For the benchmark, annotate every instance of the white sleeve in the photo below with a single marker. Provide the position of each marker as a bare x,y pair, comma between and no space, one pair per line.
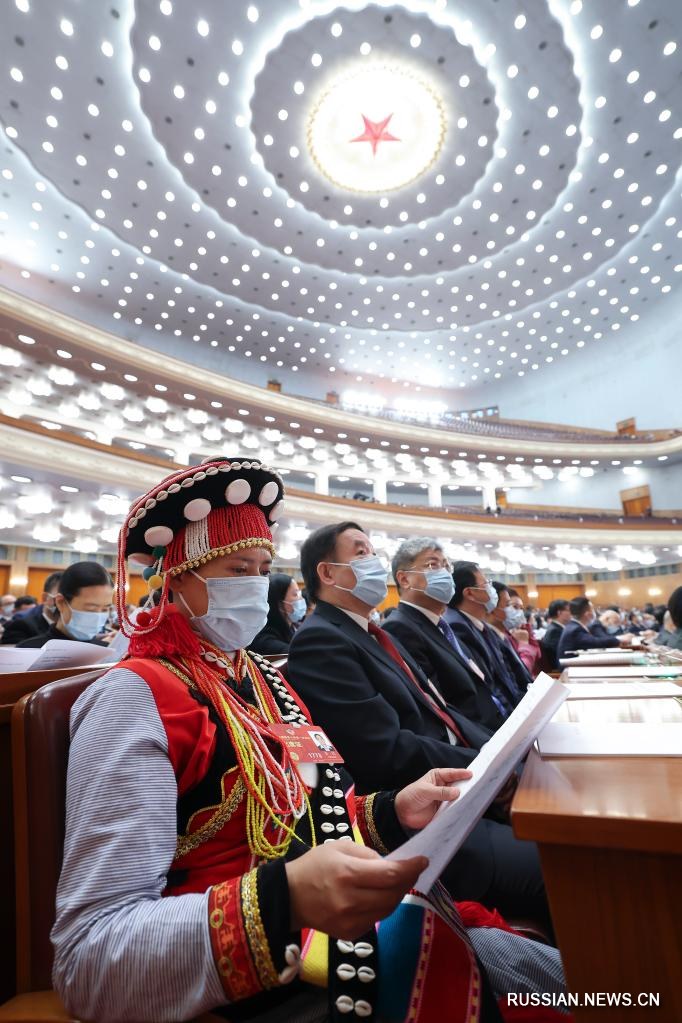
122,952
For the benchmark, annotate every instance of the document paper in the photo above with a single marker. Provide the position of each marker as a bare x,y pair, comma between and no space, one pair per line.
441,839
56,653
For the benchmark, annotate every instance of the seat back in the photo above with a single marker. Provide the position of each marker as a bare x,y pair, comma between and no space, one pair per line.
40,749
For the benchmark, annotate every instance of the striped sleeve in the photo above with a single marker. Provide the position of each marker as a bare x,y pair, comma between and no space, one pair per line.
122,952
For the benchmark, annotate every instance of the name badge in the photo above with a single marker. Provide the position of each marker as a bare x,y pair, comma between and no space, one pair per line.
307,744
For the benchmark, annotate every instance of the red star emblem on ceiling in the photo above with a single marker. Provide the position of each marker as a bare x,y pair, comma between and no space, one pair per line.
375,132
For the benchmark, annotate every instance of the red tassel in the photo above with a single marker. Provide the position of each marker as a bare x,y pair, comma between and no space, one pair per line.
172,636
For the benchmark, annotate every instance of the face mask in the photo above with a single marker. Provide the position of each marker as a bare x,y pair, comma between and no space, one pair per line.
591,620
7,610
370,587
237,610
491,602
298,610
50,610
514,618
85,625
440,585
612,629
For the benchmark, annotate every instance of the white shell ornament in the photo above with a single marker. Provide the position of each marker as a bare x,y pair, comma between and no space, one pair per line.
276,511
141,559
197,509
158,536
238,491
268,493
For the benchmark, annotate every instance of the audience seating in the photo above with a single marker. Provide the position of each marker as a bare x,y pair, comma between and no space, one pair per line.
40,746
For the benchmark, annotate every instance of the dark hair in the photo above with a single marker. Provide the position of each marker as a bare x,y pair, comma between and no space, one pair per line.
463,574
320,546
579,606
277,591
84,573
502,588
556,607
675,607
52,582
511,592
24,602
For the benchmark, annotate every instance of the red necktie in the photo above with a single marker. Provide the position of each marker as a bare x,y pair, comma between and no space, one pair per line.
385,641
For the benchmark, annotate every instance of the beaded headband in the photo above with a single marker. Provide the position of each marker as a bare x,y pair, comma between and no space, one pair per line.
232,506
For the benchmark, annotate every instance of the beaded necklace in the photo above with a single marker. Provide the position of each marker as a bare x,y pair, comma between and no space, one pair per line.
275,792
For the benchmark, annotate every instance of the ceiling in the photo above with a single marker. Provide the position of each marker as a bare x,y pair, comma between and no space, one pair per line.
167,174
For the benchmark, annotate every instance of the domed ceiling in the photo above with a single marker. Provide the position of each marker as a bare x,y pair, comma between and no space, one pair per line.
430,194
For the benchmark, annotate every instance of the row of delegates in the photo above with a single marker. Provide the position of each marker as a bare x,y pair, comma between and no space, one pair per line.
385,715
35,620
11,606
286,610
577,635
82,606
493,652
181,784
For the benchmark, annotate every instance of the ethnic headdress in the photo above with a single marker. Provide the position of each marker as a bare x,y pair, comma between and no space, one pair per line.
191,517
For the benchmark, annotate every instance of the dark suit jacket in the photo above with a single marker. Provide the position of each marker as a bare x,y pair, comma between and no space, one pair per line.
598,630
25,626
271,641
54,633
489,656
576,637
379,720
450,673
549,644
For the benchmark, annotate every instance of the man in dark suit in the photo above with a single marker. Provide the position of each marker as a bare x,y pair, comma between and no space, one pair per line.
558,615
377,707
577,635
474,598
423,576
39,620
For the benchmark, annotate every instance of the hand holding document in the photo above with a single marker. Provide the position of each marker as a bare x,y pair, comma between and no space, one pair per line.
441,839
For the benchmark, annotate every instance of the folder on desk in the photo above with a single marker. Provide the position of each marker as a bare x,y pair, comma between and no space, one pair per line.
562,739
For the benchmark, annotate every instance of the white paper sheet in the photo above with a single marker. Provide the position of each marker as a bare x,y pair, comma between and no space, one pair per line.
595,658
622,690
579,674
118,647
560,739
14,658
441,839
68,653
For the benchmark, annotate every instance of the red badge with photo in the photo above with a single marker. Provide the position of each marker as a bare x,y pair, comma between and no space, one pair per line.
307,744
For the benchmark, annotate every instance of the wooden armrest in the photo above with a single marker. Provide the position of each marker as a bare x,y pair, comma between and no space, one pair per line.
46,1007
36,1007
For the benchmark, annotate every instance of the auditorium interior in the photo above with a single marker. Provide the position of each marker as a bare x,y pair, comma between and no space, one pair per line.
345,333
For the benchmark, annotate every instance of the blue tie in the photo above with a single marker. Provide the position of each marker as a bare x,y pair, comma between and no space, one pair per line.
456,646
451,638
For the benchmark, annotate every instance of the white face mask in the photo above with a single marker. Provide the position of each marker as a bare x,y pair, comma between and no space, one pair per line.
237,610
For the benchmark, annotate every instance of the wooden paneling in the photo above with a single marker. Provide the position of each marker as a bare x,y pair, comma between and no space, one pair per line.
36,580
4,581
557,591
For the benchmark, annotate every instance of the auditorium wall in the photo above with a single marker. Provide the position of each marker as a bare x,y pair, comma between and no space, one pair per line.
603,489
629,372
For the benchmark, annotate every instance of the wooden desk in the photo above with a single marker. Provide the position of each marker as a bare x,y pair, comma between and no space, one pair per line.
609,830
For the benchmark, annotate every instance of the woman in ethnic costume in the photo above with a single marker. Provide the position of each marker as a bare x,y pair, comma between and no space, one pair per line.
203,867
